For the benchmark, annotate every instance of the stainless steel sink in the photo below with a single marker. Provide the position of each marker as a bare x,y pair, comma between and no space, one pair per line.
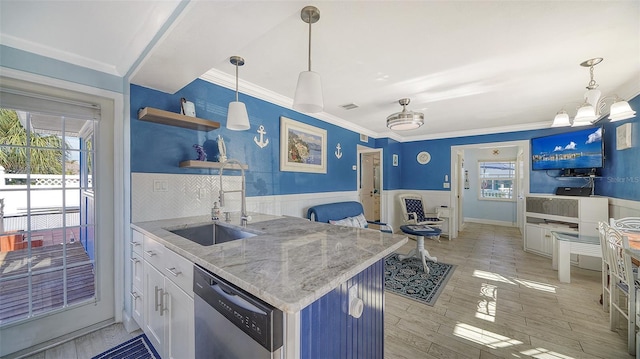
211,234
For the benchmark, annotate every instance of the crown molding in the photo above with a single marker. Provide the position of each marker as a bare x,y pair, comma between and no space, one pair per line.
59,55
480,131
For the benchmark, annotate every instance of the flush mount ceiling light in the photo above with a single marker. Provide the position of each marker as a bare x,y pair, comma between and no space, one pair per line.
590,111
308,97
405,120
237,117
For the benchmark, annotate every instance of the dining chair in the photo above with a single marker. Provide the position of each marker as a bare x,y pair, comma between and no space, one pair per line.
622,282
606,263
627,224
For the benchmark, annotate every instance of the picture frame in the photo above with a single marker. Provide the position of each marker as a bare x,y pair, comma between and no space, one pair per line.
395,160
303,148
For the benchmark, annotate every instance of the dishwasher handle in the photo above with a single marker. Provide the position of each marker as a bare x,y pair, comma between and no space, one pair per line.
237,300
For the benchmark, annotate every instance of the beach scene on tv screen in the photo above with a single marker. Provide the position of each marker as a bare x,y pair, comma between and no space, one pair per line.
579,149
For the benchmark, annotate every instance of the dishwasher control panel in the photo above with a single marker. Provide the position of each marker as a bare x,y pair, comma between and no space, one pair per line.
253,316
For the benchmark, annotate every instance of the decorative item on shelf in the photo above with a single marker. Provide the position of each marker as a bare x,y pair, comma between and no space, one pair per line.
308,96
405,120
591,110
202,155
423,157
395,160
338,151
187,108
263,141
237,117
222,150
466,179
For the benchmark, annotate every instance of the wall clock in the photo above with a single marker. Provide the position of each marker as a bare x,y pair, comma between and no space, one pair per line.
423,157
623,136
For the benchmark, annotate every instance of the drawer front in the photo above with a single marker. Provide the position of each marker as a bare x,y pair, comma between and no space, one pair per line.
173,266
137,240
137,303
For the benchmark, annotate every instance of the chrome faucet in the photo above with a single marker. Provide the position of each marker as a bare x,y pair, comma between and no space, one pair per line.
244,218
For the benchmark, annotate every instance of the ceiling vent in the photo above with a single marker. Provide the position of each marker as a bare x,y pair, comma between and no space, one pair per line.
349,106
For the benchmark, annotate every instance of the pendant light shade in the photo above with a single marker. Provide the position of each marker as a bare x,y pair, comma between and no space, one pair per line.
405,120
620,110
308,96
237,116
586,116
561,119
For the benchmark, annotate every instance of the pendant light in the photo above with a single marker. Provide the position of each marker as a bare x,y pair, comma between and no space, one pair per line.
591,110
405,119
237,117
308,97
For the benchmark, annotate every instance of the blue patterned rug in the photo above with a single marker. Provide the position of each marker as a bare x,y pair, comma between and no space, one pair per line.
408,279
136,348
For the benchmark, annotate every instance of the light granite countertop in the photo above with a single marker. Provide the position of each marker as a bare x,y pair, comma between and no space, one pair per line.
291,262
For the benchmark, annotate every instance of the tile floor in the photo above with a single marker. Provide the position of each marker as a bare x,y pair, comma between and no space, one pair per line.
500,303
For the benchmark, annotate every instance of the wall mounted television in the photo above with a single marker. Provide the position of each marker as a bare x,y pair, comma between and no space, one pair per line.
576,150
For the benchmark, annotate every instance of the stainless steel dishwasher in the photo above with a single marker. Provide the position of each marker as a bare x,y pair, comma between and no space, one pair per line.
231,323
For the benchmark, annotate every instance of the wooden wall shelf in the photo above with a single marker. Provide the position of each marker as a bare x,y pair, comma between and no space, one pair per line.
207,164
175,119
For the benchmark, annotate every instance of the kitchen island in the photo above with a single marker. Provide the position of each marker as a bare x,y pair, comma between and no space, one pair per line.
304,269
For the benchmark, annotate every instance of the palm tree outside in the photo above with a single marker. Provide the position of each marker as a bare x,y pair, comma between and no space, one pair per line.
47,152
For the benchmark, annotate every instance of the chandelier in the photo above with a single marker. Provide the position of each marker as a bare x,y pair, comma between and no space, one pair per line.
591,110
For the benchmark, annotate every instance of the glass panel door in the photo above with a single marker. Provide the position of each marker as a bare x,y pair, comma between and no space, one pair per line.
47,251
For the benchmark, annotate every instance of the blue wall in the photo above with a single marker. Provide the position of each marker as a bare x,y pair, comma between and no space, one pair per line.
159,148
620,178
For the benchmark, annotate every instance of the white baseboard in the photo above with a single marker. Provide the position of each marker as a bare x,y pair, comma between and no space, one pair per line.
130,325
489,221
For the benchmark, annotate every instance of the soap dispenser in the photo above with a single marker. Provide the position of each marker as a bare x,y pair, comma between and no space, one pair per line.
215,212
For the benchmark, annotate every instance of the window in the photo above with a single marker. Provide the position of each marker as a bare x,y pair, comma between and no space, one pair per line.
496,180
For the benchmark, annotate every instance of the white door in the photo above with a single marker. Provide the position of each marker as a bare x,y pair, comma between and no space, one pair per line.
61,214
462,182
366,186
520,173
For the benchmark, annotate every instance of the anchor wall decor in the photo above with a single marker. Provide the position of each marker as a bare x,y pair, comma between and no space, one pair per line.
338,151
263,141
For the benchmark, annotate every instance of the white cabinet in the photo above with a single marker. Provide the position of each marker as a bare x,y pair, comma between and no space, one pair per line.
538,240
547,213
162,297
137,278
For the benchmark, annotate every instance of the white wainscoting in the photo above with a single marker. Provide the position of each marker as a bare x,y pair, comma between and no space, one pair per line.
620,208
392,212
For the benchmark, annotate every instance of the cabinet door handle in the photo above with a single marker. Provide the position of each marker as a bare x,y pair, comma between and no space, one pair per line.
134,295
150,253
156,301
173,271
134,243
163,306
134,260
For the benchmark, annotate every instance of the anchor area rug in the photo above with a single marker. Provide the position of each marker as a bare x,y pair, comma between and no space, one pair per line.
408,279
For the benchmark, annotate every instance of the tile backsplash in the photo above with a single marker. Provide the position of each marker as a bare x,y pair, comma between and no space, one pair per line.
157,196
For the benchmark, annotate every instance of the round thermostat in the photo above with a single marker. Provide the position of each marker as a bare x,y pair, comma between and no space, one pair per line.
424,157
